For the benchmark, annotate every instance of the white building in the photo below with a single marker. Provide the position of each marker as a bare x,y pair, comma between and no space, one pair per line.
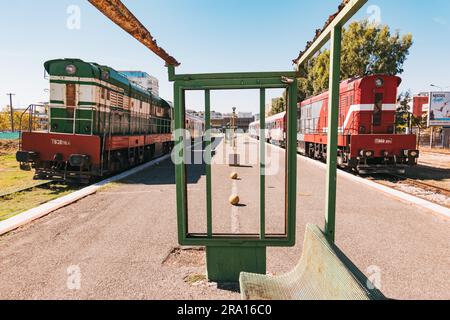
144,80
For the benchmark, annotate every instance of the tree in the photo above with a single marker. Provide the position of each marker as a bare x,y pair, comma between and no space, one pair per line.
405,118
366,49
5,121
278,106
403,115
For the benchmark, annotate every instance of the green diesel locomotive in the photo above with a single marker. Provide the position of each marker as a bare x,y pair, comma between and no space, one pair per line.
99,123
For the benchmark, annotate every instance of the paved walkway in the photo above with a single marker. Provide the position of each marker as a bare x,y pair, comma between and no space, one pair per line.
435,159
118,239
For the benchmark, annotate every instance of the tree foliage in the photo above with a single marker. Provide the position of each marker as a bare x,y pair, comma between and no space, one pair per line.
278,106
403,116
5,120
366,49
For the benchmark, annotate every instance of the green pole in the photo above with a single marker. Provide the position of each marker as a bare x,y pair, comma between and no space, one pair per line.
262,163
179,167
333,122
208,164
291,157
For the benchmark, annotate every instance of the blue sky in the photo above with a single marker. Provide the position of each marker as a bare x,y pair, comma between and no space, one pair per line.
205,36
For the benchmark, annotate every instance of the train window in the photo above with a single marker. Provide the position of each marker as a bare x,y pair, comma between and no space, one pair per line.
377,111
70,94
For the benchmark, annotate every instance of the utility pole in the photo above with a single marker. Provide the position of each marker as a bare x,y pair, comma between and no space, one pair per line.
12,110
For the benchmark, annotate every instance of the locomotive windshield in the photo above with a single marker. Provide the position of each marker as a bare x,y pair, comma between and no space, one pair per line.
377,111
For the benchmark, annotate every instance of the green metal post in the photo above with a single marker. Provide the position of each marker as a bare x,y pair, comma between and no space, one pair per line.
179,167
291,156
333,122
208,162
262,163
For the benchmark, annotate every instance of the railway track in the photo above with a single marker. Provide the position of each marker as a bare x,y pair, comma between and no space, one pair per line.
427,191
409,181
420,184
27,188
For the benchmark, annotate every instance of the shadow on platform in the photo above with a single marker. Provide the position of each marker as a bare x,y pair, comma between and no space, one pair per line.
164,172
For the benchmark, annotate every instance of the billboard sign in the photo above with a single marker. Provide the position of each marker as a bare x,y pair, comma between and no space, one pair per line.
439,109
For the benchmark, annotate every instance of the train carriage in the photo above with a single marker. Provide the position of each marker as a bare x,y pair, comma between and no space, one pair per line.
195,126
99,123
275,132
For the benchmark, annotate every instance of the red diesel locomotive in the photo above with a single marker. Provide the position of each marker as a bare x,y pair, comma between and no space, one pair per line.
367,142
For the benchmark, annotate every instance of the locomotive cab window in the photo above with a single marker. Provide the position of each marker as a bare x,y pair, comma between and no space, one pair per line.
378,108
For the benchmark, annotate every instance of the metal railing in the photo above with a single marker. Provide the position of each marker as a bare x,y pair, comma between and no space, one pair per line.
31,110
437,140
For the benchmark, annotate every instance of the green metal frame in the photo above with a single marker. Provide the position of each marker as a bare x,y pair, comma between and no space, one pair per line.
232,81
228,255
334,32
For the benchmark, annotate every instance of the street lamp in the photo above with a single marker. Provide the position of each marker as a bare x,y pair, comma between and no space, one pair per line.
233,127
234,156
440,88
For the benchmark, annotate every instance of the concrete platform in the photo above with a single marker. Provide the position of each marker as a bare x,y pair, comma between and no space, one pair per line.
116,241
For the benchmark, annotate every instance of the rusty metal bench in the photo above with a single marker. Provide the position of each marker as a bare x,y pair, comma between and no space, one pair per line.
323,273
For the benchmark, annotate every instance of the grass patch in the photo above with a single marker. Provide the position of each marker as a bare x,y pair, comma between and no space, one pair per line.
194,278
22,201
11,177
109,186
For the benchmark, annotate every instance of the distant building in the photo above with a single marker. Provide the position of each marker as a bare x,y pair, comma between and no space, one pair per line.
242,122
420,104
216,115
144,80
222,121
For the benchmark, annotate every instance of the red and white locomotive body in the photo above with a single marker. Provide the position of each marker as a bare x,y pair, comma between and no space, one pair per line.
367,141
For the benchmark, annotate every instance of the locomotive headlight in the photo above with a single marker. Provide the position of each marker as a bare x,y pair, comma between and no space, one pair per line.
78,160
379,82
71,69
414,153
367,153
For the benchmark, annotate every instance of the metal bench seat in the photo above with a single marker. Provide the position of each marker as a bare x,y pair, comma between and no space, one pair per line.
323,273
